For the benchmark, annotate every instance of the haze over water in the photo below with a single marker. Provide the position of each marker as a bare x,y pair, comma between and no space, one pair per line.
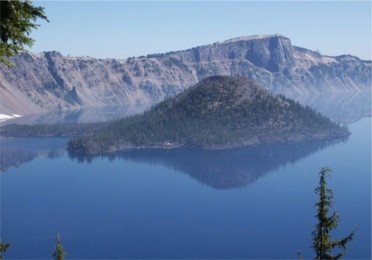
252,202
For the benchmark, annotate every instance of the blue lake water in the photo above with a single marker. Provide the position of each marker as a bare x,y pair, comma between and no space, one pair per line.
253,202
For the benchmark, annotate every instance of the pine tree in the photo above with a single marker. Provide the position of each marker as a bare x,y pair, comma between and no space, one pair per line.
59,253
3,248
17,20
322,242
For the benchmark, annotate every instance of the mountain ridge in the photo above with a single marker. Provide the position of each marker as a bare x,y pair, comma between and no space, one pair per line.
51,81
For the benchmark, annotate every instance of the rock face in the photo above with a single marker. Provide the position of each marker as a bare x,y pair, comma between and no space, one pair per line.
50,81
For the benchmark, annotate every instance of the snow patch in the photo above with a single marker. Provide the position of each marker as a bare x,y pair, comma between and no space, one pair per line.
4,117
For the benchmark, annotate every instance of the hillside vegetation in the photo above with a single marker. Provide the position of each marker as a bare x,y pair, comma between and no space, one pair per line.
218,112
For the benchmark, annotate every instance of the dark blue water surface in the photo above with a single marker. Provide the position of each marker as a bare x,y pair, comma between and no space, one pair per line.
254,202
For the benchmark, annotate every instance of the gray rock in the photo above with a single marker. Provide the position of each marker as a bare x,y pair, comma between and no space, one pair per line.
50,81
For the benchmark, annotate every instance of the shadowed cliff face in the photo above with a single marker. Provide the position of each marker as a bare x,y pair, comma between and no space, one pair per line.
50,81
221,169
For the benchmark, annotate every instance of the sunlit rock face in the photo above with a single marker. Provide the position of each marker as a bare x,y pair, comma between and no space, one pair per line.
50,81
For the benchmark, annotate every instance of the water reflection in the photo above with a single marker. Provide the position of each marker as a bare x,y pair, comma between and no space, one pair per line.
17,151
343,107
86,115
221,169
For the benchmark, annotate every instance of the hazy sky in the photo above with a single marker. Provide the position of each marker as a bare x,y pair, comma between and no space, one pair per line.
121,29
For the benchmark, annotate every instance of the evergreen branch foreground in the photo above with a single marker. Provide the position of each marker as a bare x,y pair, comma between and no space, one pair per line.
17,20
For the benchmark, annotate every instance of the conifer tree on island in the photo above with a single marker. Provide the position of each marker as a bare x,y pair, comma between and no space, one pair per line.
17,20
323,244
59,253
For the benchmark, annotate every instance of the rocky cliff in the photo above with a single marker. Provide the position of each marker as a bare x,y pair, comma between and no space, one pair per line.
50,81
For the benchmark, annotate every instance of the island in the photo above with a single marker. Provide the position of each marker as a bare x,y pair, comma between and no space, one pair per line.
218,112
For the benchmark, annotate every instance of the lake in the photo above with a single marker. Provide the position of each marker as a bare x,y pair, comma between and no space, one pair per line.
252,202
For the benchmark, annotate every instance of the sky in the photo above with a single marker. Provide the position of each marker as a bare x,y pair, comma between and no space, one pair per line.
122,29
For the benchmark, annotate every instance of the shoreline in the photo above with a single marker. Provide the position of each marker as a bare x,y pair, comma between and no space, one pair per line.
173,146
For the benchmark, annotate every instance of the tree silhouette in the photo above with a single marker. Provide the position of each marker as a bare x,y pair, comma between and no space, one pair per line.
322,242
59,253
3,248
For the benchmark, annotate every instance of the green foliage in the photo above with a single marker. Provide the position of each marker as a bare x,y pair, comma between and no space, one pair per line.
217,112
59,253
322,242
17,19
213,114
44,130
3,248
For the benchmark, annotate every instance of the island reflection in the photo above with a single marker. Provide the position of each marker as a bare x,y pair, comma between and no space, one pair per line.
221,169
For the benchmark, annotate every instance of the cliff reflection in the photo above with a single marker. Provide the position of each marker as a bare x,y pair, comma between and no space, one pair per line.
221,169
85,115
342,107
17,151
